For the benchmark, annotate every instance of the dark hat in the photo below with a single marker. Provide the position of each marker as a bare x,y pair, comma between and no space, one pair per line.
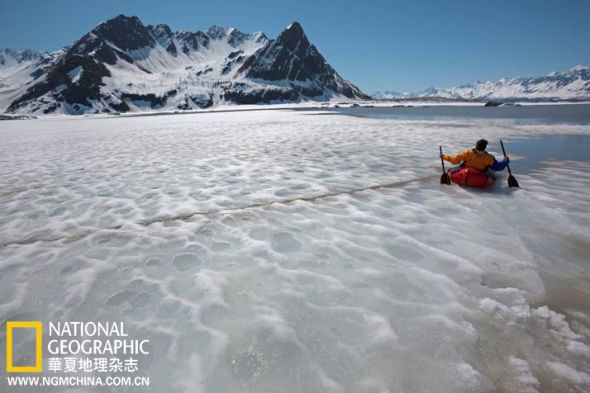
481,145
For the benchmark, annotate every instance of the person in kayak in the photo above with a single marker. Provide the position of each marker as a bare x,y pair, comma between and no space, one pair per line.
478,158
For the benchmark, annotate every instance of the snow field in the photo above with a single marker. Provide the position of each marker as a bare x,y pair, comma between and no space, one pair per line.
201,233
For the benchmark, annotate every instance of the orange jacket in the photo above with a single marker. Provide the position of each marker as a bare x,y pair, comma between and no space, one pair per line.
479,160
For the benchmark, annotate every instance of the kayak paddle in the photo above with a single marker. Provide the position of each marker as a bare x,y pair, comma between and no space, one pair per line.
511,179
444,178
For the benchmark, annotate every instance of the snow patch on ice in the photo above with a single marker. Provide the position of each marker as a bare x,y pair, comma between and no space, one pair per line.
527,382
570,374
470,377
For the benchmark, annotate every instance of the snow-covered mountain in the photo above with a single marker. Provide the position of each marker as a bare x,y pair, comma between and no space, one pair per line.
123,65
390,95
18,68
570,85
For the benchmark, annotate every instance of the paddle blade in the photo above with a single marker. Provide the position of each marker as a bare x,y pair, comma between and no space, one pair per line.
445,179
512,182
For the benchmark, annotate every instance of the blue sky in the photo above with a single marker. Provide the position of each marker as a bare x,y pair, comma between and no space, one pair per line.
400,45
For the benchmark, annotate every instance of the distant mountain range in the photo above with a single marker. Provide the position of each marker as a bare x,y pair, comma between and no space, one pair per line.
570,85
122,65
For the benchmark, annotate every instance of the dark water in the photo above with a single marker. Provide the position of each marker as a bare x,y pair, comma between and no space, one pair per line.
532,152
527,114
538,150
556,147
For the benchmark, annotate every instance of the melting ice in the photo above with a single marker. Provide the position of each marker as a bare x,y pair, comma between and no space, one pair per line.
234,242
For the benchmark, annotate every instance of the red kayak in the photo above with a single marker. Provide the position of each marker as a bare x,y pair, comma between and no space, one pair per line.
470,177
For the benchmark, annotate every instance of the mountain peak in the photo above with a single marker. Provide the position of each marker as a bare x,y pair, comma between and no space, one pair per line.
579,68
295,27
126,32
120,20
164,28
217,32
292,36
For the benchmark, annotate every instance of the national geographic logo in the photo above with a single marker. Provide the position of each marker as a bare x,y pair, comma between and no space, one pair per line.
82,354
38,328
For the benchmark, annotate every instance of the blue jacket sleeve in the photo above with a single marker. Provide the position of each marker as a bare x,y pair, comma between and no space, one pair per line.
499,166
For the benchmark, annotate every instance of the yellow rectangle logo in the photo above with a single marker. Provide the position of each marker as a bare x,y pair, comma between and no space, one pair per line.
38,366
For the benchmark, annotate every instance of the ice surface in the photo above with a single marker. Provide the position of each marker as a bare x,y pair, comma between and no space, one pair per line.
234,241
